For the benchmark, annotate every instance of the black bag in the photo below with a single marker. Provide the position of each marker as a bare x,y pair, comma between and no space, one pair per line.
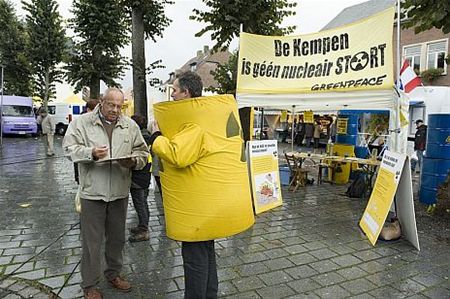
357,188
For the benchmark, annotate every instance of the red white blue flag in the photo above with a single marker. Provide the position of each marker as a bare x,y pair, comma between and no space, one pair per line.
408,78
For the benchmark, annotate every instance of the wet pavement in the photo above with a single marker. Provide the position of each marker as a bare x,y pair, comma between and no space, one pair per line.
311,247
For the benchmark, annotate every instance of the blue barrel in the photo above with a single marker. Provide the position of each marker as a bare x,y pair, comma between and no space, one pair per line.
352,129
362,152
438,136
433,173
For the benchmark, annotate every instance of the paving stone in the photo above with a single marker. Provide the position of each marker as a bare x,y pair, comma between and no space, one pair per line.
295,249
346,260
325,266
12,296
53,282
327,279
408,287
366,255
252,269
352,272
302,258
428,279
5,260
248,283
303,271
276,291
323,253
274,278
437,292
32,275
358,286
304,285
333,292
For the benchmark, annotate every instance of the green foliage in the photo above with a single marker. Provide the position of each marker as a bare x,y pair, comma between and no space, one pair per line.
45,47
258,17
426,14
430,75
153,81
100,28
154,18
225,75
17,70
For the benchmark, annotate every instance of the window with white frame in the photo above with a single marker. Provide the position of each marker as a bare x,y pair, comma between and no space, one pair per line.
427,55
412,54
436,54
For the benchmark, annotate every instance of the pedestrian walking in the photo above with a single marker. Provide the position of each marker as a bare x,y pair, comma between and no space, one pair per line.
104,186
140,182
193,150
48,130
420,139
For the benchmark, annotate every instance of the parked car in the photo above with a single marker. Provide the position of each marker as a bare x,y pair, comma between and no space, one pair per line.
63,114
17,116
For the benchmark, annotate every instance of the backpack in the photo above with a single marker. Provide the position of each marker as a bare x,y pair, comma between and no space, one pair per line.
357,188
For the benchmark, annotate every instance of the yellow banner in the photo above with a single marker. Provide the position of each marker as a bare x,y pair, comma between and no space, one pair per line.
353,57
309,117
341,126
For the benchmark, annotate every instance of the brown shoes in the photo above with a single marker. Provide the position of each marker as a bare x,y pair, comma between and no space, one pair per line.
120,284
92,293
140,236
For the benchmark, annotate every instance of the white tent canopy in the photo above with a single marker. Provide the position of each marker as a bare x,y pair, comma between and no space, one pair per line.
330,101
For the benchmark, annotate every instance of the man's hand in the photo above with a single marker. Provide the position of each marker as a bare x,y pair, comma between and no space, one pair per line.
100,152
127,163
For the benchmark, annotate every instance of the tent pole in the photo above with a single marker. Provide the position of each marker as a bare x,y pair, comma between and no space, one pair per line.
292,130
397,106
261,135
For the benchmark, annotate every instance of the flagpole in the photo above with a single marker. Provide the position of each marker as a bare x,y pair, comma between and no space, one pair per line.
397,108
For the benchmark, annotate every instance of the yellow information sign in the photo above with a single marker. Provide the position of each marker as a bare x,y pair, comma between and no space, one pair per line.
382,195
308,117
341,125
265,178
283,117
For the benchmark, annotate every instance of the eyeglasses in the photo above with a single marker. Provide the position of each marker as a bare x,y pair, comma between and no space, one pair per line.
112,106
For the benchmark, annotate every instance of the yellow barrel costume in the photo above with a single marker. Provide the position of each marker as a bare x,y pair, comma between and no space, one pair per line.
204,173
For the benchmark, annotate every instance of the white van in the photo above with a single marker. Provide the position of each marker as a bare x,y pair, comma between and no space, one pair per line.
64,113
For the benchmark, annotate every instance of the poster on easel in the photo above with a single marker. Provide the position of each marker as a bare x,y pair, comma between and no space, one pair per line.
393,180
264,174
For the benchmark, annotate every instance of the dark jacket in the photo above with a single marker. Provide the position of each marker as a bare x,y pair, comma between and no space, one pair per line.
420,138
141,178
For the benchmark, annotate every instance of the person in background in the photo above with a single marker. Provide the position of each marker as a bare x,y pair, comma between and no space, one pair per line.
300,132
309,133
420,139
104,186
316,135
140,182
155,171
48,129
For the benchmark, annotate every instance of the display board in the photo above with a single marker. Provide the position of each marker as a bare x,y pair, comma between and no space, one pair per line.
264,174
394,179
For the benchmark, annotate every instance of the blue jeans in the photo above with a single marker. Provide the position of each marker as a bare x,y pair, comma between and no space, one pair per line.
420,158
139,197
200,270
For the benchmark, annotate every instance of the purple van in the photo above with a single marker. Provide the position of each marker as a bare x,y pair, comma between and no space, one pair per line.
18,116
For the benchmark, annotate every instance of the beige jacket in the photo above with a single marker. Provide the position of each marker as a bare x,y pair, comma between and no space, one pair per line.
48,125
105,181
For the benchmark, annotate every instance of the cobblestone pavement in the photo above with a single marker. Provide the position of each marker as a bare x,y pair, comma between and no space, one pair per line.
311,247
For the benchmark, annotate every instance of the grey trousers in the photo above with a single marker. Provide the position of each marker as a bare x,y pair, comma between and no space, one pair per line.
102,219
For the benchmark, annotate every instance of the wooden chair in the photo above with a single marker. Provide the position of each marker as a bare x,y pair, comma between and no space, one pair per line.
299,176
322,166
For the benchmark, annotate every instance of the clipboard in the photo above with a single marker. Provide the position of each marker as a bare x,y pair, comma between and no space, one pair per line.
116,159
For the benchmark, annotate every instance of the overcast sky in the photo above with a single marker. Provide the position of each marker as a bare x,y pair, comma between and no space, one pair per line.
179,43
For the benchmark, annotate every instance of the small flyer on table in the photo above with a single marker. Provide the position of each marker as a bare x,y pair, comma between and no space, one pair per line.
264,173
